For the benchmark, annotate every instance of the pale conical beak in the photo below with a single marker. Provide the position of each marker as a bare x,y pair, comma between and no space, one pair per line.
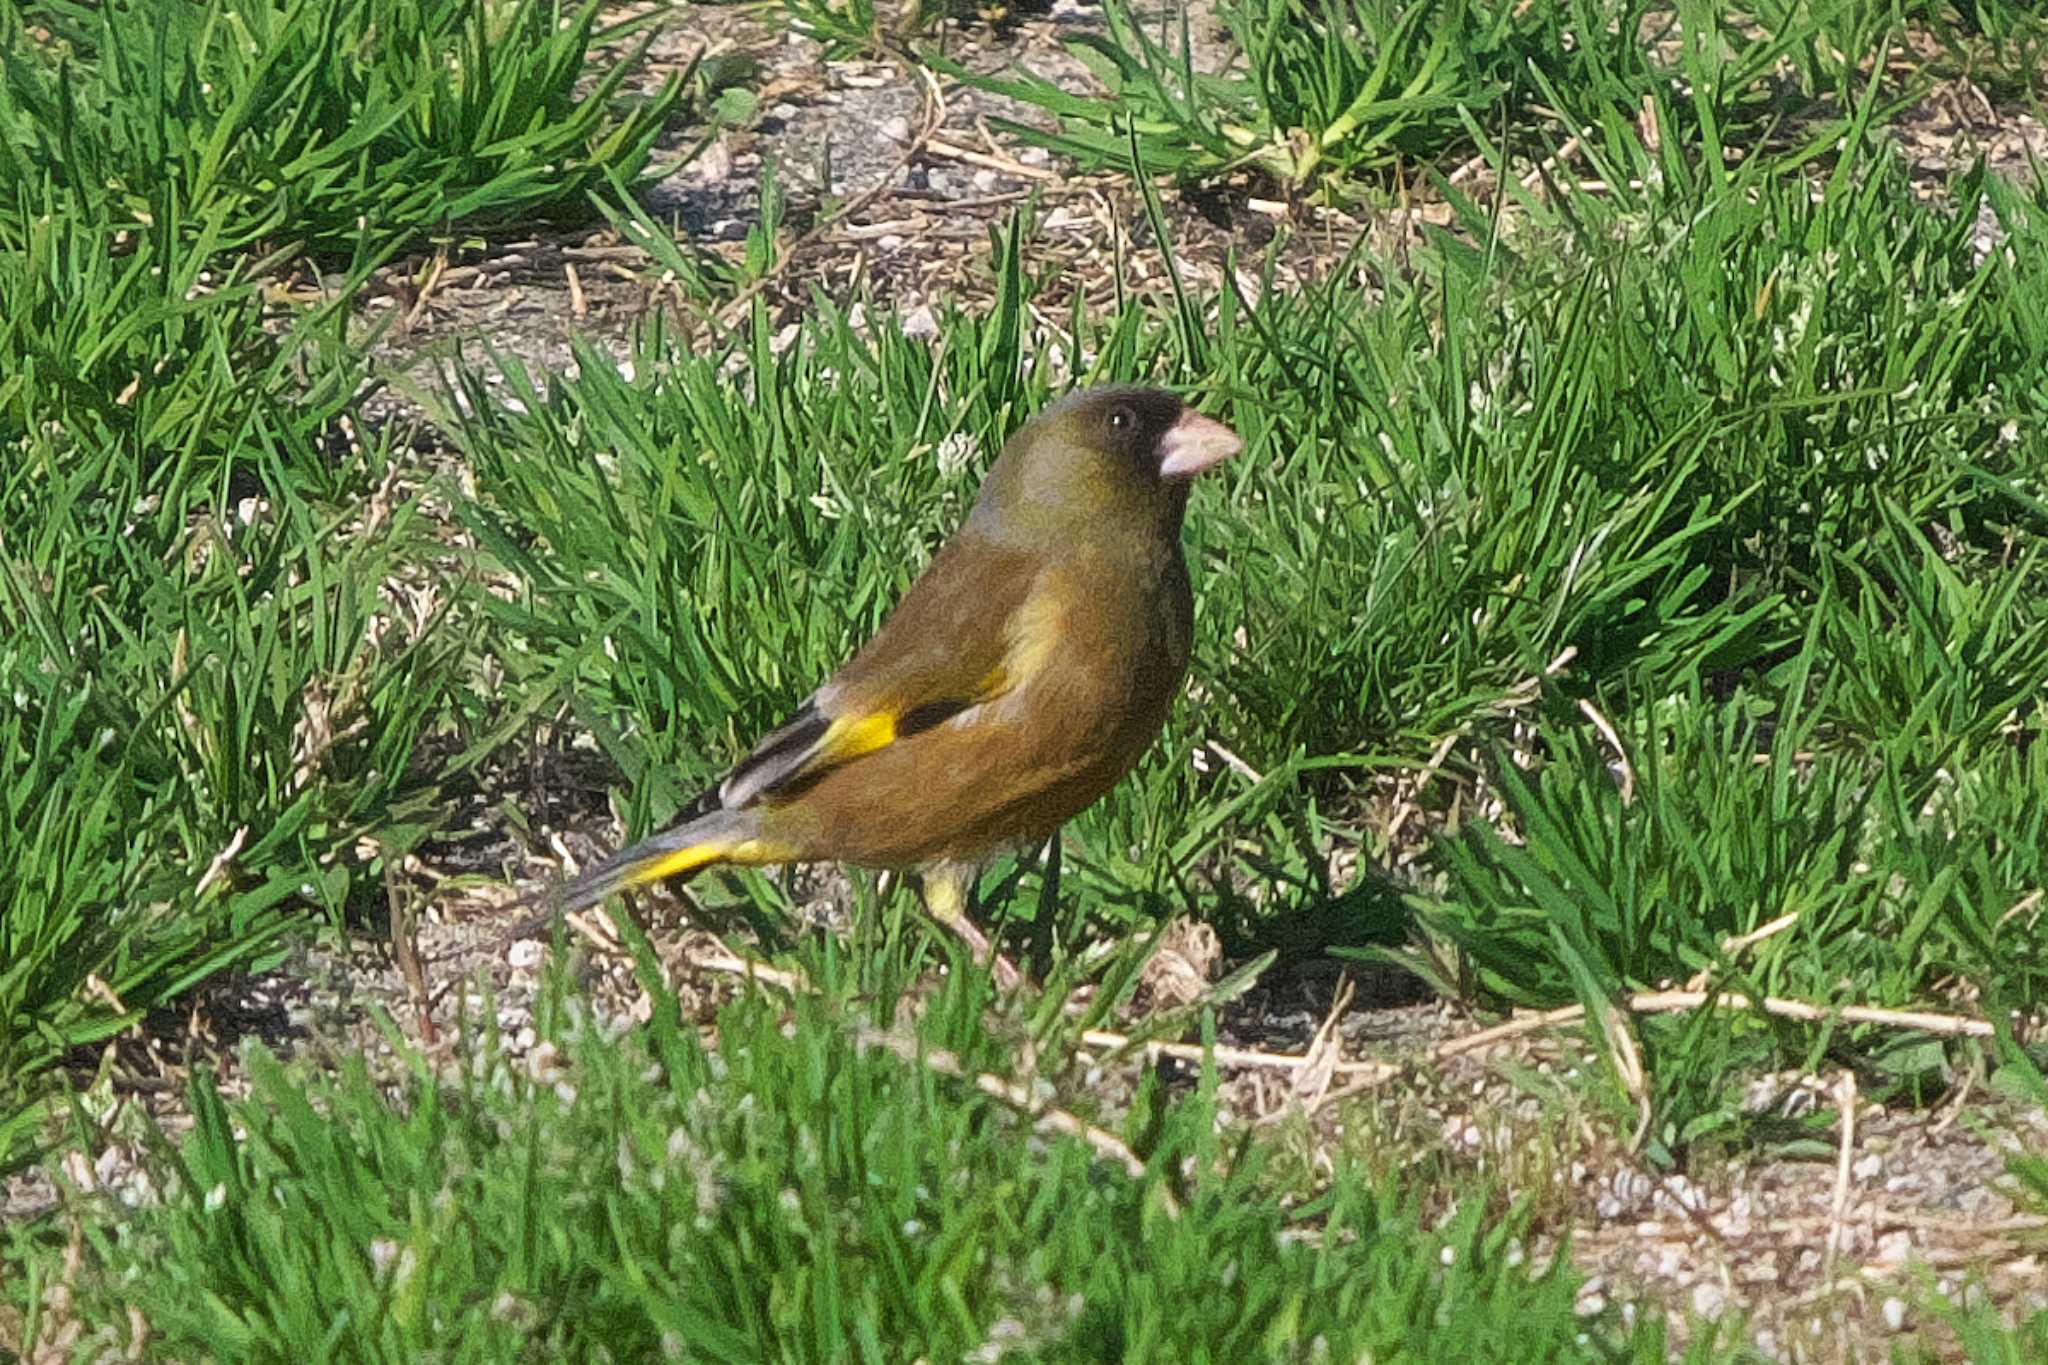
1194,443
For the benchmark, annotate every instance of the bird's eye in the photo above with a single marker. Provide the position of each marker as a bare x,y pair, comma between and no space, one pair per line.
1123,419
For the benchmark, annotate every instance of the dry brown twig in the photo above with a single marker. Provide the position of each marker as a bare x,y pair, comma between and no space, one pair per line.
910,1049
1607,732
1845,1152
1231,1056
1105,1144
968,156
1684,1001
1325,1050
403,899
1741,942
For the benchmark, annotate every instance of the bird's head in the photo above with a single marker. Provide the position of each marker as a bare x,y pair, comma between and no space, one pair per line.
1102,457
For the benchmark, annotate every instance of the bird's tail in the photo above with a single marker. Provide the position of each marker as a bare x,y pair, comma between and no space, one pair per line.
717,836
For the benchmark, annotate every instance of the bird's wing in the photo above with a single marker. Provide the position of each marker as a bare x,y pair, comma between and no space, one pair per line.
973,627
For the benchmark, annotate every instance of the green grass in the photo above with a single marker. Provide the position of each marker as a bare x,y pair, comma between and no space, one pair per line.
1749,455
323,122
1751,444
1333,98
863,28
637,1196
219,673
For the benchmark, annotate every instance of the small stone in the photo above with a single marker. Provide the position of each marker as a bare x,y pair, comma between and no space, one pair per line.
1977,1201
896,128
1895,1248
889,241
1709,1300
1894,1314
784,111
985,181
1034,156
938,182
1867,1168
920,323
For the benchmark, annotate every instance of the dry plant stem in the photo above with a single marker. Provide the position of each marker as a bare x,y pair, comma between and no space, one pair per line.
1312,1082
221,861
2024,905
1607,732
987,162
1628,1057
1731,946
1838,1216
403,906
1877,1216
1234,763
1679,1002
1568,149
1105,1144
1232,1056
795,983
1409,803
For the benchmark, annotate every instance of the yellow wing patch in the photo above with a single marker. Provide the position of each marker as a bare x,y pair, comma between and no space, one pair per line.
813,742
851,736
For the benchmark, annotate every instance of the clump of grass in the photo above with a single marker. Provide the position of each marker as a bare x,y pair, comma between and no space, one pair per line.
860,28
323,124
1325,89
220,673
786,1195
1320,97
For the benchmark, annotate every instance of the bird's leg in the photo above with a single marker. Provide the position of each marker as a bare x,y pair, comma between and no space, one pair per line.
948,898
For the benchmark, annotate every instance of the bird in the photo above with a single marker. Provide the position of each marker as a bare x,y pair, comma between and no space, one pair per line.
1017,680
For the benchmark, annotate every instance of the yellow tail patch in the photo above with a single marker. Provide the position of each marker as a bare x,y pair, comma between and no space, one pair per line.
675,864
745,853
